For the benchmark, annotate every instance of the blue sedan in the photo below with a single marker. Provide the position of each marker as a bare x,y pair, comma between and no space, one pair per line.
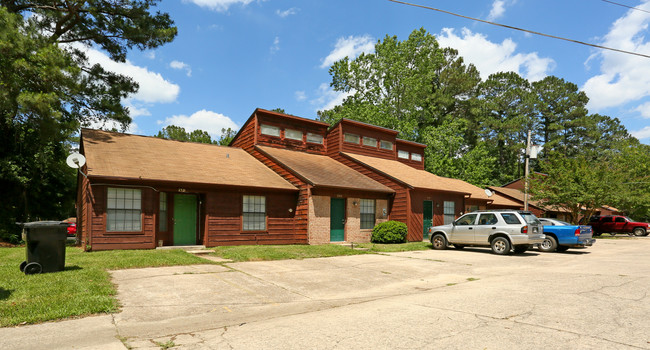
561,236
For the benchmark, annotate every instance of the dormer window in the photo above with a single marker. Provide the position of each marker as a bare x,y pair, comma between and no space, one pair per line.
386,145
369,141
402,154
293,134
270,130
352,138
314,138
416,157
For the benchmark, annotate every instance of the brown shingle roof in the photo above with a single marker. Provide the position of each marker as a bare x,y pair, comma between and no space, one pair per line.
516,195
415,178
323,171
111,154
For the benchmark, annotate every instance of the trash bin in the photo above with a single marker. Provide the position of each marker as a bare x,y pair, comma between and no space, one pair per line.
45,246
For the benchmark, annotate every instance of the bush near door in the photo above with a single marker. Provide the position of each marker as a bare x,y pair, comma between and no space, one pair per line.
389,232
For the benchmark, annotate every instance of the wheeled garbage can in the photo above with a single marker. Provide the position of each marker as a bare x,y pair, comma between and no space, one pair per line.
45,242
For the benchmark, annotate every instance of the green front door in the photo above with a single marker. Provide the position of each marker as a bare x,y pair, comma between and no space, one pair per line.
337,220
184,219
427,217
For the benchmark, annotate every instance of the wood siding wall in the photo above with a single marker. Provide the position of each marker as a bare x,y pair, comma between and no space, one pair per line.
366,150
246,138
333,141
285,143
417,198
411,148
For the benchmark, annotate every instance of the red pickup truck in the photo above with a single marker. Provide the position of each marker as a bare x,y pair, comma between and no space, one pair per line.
614,224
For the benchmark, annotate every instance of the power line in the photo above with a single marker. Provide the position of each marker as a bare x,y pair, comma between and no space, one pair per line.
630,7
520,29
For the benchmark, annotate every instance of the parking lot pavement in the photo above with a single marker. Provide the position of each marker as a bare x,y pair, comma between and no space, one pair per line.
469,299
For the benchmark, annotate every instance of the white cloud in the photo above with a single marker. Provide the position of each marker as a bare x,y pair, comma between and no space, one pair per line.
498,9
153,87
328,98
276,45
351,47
623,78
219,5
151,55
642,134
644,109
300,95
490,57
285,13
112,125
209,121
181,66
135,109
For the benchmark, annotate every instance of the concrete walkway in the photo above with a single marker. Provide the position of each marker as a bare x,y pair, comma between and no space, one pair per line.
469,299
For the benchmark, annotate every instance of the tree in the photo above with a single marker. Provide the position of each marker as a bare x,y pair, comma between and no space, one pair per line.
173,132
633,167
227,135
48,88
577,184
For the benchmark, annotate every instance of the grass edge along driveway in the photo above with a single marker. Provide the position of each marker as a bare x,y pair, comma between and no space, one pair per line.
84,287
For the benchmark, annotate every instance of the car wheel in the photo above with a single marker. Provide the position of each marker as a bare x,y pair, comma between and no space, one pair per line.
33,268
459,246
562,249
548,245
500,246
597,234
438,241
639,231
520,249
612,234
22,266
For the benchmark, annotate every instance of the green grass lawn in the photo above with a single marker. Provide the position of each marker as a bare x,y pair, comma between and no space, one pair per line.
281,252
84,287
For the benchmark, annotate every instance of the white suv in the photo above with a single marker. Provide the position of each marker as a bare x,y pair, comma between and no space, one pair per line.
502,230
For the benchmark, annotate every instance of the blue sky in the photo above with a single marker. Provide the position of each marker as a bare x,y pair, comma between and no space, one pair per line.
232,56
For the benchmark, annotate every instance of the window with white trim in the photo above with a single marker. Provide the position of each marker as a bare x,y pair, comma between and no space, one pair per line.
449,211
369,141
352,138
254,213
162,212
293,134
416,157
314,138
367,213
270,130
123,210
386,145
402,154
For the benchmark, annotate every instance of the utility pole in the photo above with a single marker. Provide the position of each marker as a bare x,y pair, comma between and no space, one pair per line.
526,172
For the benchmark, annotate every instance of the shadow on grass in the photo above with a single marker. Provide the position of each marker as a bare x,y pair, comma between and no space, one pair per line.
5,293
73,268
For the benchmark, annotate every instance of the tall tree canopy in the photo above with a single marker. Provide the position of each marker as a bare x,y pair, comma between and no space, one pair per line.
48,88
476,129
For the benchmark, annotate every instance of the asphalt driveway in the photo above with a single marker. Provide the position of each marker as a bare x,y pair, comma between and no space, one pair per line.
469,299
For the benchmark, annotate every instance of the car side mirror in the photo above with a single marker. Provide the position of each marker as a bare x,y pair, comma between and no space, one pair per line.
453,223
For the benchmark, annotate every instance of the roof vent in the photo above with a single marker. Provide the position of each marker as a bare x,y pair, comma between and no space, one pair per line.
227,155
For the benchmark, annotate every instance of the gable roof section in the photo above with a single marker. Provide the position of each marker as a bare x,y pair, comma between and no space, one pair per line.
414,178
322,171
125,156
516,195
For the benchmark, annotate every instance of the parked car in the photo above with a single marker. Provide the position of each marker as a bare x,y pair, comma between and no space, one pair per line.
502,230
72,227
614,224
561,235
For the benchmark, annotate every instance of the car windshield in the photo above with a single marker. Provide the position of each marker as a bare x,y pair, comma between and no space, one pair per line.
530,218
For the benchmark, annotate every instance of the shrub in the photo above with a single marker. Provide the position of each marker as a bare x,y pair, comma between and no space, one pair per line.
389,232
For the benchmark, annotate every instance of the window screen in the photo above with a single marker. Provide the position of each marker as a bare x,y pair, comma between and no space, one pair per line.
270,130
369,141
449,212
386,145
254,213
123,210
352,138
367,213
314,138
293,134
416,157
403,154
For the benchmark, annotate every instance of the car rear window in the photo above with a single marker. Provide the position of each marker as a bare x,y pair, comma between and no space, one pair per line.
530,218
510,218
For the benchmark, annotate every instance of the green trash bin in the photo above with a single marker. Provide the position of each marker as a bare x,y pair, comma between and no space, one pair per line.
45,242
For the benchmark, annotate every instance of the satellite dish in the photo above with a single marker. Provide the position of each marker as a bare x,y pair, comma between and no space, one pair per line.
488,193
75,160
